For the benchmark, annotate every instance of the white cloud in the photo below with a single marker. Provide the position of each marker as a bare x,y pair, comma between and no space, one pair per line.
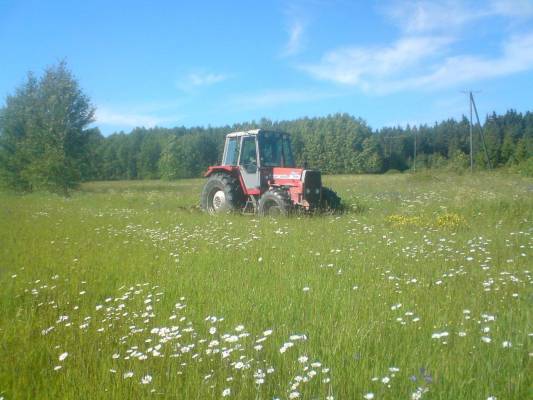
431,16
294,42
516,56
298,16
428,16
106,116
199,79
426,56
273,98
205,79
361,65
405,65
511,8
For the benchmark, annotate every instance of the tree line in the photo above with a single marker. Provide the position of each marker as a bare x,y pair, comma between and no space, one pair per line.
47,142
335,144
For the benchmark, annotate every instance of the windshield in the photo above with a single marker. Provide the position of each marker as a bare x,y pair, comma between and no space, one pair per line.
275,150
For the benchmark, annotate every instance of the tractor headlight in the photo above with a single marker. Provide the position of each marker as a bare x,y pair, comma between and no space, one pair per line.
317,191
307,191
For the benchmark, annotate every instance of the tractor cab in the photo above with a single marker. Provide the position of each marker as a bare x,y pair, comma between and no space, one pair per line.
255,153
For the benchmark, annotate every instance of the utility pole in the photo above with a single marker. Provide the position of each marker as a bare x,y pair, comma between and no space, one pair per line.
471,147
414,155
481,134
471,104
389,140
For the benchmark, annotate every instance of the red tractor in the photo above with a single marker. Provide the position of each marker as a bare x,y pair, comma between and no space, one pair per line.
258,175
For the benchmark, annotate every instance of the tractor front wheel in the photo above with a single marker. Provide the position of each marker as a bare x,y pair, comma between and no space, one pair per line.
330,200
274,203
222,193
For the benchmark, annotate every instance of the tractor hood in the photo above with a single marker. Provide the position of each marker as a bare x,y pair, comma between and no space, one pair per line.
305,186
279,173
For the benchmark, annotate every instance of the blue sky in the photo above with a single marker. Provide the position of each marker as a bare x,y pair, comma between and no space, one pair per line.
147,63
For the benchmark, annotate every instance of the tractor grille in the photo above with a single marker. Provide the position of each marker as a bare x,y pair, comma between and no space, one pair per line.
312,187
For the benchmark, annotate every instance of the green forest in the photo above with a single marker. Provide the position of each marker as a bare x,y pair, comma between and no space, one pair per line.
48,140
335,144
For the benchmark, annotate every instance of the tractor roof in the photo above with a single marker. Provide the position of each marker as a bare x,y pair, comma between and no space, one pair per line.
251,132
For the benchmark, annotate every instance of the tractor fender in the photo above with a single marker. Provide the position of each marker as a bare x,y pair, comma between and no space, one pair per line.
228,169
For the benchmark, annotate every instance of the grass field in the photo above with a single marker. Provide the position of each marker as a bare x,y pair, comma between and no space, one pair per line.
125,290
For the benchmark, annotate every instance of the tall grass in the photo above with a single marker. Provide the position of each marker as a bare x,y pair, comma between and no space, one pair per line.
422,290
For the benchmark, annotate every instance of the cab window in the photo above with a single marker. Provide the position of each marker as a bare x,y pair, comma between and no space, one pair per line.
288,160
248,153
232,151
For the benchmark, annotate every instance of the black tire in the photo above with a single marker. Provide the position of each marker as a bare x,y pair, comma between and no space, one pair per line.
274,203
330,200
220,186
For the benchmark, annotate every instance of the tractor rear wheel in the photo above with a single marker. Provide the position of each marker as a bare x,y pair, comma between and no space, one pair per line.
274,203
330,200
222,193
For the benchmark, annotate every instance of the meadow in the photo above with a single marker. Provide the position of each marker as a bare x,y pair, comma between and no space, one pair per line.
422,289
